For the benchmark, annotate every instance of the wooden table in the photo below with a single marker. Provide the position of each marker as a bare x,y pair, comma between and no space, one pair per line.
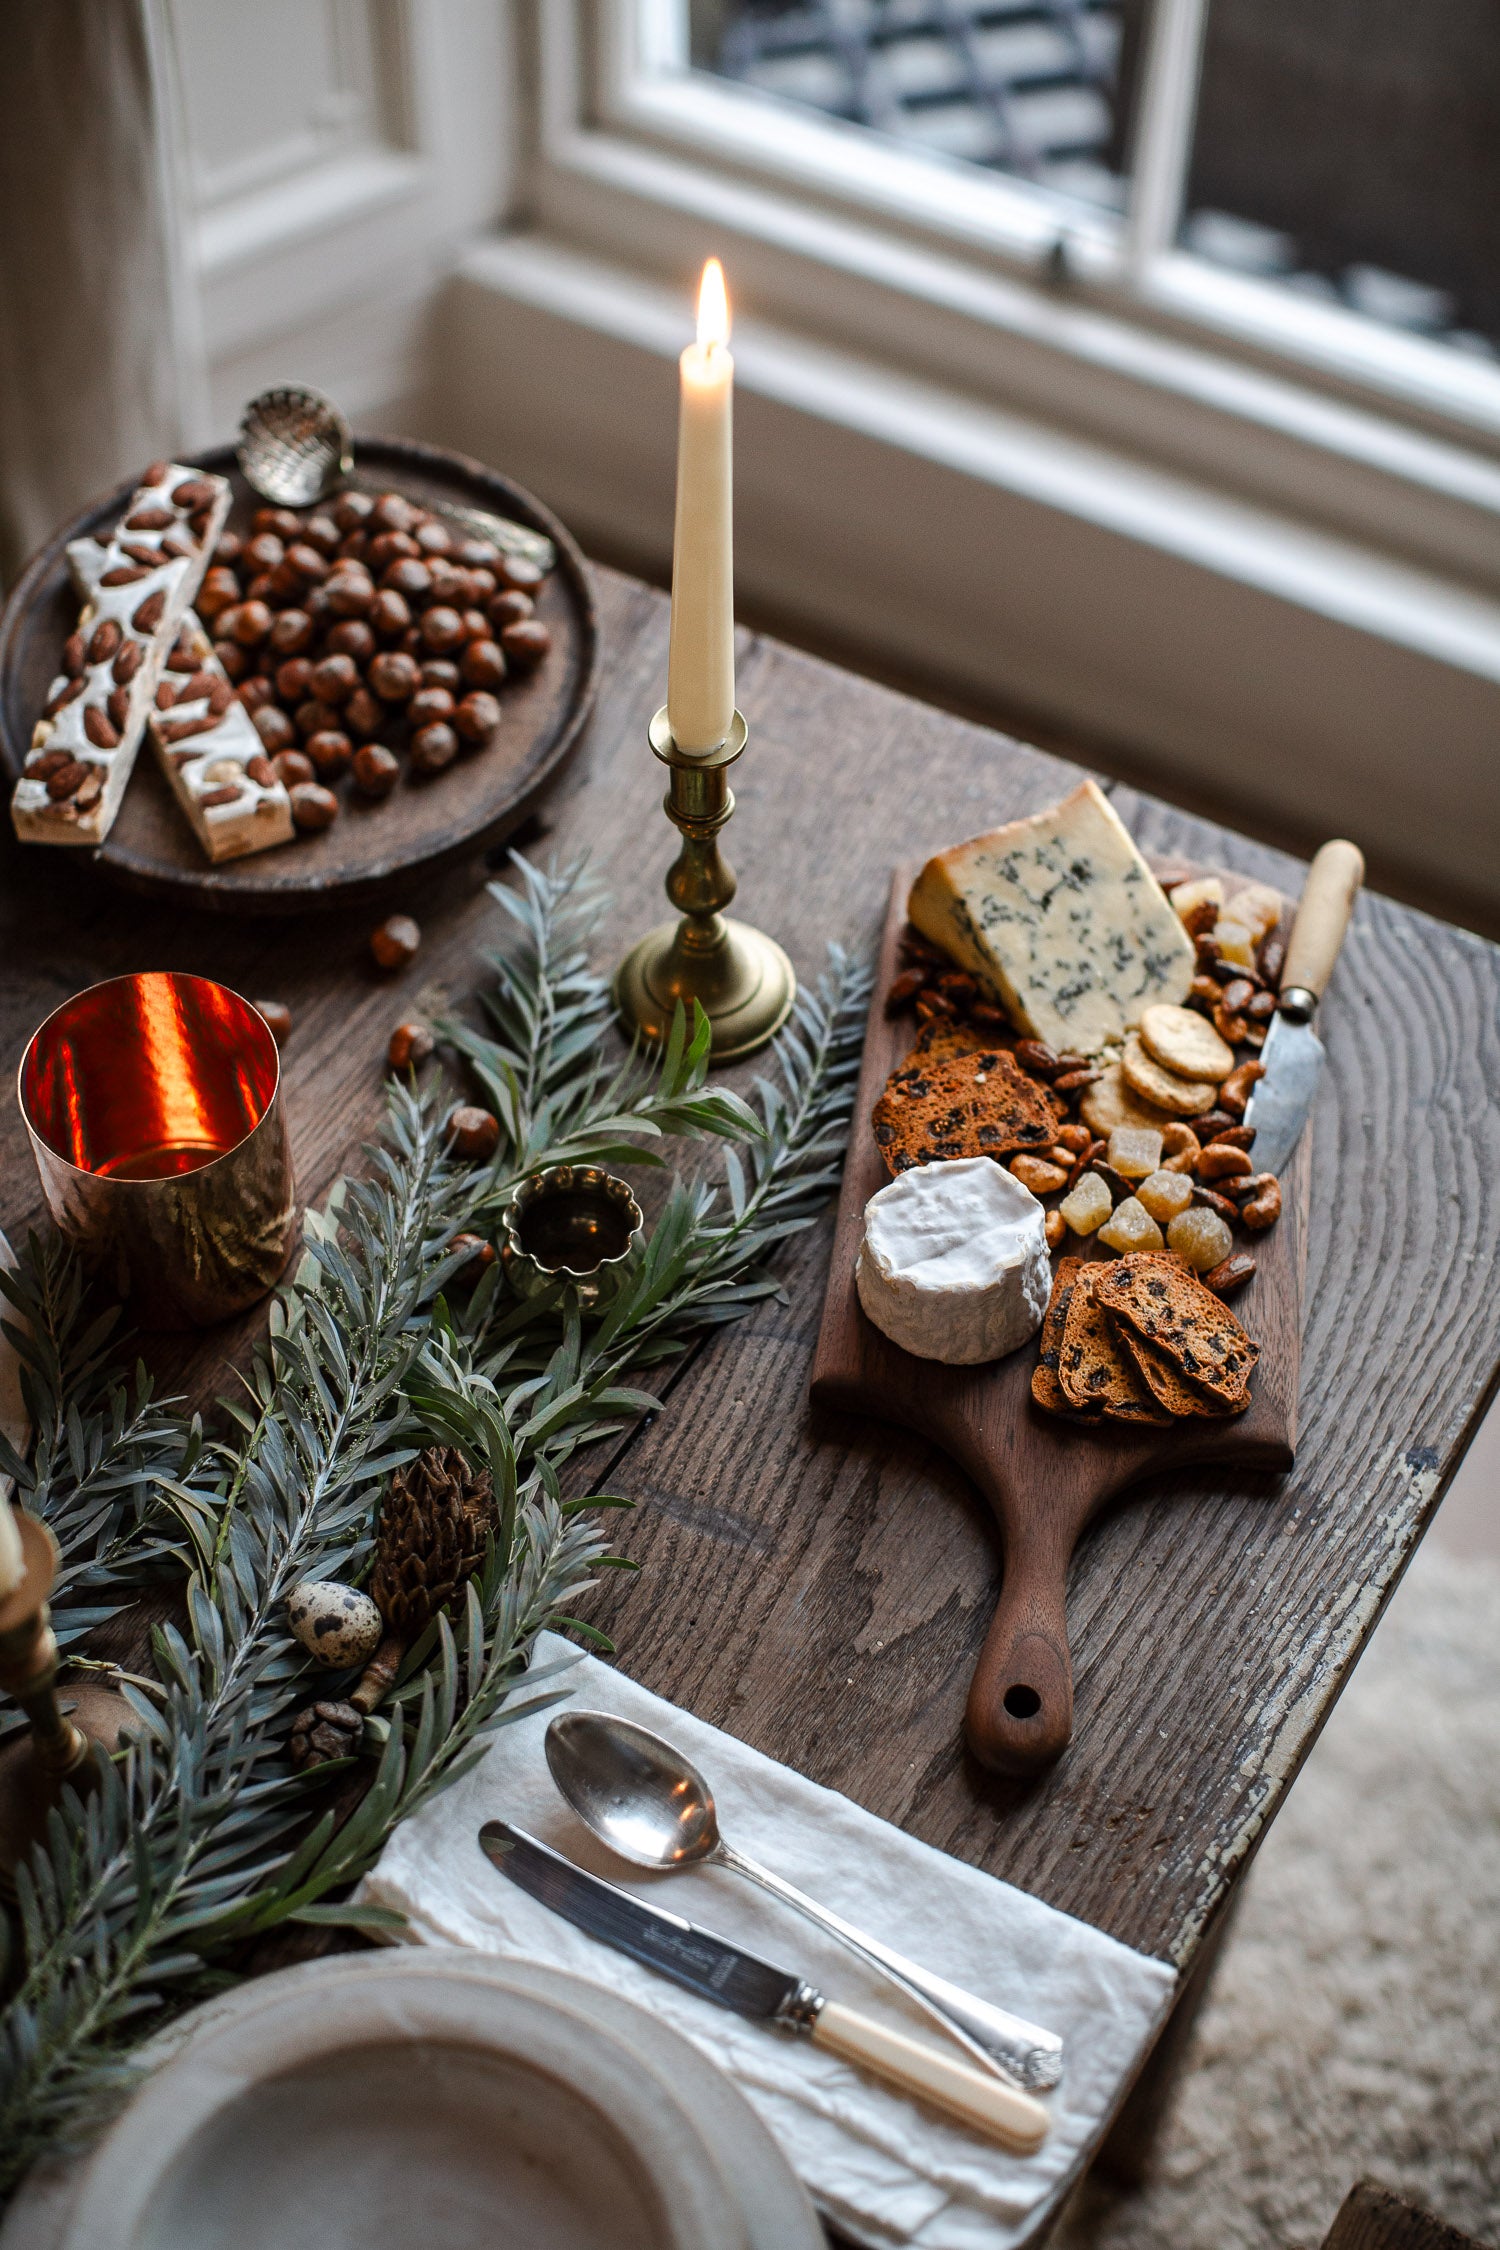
822,1588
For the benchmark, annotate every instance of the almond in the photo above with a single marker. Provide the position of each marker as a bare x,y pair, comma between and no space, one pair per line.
100,728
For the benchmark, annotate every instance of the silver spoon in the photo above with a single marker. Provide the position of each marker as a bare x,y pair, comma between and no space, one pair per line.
648,1803
295,448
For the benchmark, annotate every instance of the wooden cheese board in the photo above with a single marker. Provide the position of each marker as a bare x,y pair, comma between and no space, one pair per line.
1044,1479
421,827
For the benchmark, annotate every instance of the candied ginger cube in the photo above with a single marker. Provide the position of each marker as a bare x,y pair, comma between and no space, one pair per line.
1206,890
1164,1194
1088,1206
1135,1151
1132,1227
1259,908
1235,942
1200,1238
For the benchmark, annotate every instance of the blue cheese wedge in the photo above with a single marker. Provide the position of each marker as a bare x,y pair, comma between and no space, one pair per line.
1062,919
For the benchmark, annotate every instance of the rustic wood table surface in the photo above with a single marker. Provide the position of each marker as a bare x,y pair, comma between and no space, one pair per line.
823,1588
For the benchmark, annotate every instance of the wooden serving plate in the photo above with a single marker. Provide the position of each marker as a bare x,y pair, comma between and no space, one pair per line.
423,825
1043,1477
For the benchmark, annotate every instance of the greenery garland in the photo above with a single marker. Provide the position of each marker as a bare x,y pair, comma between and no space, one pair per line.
201,1836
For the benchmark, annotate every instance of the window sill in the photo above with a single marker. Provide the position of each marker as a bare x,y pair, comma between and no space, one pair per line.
1208,636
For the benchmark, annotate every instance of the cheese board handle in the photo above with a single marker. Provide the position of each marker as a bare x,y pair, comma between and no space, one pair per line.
1019,1716
1328,896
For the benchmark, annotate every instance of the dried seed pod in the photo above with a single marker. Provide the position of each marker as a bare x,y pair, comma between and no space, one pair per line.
323,1733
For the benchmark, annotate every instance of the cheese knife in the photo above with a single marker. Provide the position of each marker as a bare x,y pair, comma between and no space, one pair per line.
1293,1052
716,1970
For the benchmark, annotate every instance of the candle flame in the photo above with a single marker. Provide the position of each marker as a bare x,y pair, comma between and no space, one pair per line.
713,307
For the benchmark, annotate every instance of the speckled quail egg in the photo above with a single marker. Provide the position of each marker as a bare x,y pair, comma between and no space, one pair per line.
338,1625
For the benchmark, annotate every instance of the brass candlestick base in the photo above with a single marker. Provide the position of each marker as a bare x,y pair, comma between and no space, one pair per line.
60,1748
741,978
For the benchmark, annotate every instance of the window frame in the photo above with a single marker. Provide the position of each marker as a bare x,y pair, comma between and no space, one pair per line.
611,65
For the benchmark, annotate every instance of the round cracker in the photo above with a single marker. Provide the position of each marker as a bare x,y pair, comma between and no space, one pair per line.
1181,1097
1110,1102
1182,1040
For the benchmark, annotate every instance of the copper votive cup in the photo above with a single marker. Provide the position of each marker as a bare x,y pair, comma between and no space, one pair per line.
153,1106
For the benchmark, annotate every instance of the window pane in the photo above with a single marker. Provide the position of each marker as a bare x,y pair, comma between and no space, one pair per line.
1351,148
1026,87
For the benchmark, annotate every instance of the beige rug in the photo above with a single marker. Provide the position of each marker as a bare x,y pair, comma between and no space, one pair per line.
1354,2029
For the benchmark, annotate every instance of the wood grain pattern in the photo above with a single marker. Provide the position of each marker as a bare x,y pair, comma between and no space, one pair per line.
425,825
1044,1479
1372,2217
821,1586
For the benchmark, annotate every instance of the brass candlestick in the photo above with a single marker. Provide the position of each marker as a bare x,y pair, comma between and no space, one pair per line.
743,980
60,1747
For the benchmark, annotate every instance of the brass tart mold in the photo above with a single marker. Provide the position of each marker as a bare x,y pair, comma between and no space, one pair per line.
741,978
573,1222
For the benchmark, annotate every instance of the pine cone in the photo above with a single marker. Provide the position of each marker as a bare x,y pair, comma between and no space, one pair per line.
437,1516
323,1732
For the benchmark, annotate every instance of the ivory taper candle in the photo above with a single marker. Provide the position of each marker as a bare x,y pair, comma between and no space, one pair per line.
700,669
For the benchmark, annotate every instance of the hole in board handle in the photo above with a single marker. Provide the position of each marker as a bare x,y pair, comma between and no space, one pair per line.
1022,1702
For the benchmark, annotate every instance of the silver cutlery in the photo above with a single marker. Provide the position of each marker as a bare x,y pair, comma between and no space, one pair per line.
716,1970
649,1804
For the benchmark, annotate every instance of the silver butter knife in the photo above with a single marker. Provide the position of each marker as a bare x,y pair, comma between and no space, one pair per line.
1293,1052
716,1970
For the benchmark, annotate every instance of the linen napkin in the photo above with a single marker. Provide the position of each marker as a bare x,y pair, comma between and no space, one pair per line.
886,2169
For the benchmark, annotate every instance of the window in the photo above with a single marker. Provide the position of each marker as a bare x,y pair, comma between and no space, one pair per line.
1044,398
1349,153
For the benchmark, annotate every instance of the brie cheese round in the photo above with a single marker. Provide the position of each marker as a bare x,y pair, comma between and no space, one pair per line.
954,1262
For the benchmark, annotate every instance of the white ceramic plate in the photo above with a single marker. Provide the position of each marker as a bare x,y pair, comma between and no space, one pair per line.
372,2100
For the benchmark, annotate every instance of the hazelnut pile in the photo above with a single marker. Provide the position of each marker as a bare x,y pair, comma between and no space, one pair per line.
364,634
